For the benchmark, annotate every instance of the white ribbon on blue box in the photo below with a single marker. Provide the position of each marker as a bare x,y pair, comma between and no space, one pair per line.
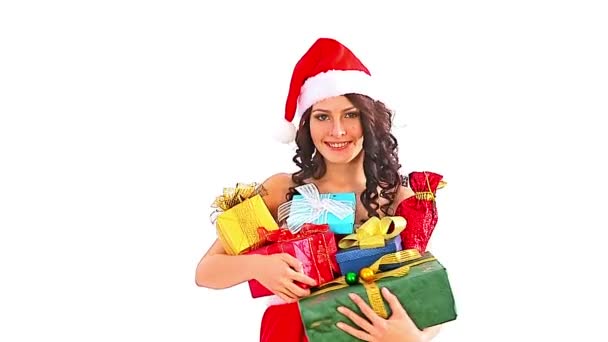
309,206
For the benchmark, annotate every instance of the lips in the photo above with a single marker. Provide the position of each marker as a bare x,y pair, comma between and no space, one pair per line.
338,145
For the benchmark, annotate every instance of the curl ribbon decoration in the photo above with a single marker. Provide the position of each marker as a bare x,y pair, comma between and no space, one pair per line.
311,208
230,197
374,232
369,276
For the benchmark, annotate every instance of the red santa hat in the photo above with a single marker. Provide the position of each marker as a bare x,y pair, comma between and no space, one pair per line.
326,70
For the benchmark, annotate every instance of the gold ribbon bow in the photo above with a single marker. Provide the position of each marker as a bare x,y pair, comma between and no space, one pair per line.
370,275
233,196
374,232
230,197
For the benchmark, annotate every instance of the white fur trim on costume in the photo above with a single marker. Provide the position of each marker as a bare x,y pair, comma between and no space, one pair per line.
333,83
274,300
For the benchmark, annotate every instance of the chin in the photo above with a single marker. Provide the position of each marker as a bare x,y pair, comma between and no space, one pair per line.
339,160
336,158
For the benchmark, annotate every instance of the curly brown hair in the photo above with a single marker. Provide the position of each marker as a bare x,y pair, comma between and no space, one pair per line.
381,161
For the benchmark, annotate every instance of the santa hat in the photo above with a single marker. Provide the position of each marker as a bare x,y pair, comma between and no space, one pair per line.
326,70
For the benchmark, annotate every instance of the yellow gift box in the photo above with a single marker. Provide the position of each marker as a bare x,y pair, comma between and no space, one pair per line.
243,212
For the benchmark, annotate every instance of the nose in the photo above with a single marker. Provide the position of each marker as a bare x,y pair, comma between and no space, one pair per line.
337,129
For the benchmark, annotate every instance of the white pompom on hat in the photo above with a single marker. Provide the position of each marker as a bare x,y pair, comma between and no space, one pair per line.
285,132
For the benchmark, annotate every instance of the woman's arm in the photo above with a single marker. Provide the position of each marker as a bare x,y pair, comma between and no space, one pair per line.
218,270
276,272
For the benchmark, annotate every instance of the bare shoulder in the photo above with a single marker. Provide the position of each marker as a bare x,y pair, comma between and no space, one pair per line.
402,194
278,180
277,187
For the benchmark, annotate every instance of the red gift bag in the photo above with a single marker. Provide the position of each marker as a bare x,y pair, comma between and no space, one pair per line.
314,245
420,210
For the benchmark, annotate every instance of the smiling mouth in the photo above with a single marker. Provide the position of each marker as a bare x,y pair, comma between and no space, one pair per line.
337,145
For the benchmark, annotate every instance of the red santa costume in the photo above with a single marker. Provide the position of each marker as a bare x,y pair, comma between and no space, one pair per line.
326,70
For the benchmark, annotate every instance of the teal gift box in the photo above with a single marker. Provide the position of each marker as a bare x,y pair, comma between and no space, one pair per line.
309,206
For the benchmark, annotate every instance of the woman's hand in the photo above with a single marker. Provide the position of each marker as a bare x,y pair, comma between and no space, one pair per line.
399,327
277,272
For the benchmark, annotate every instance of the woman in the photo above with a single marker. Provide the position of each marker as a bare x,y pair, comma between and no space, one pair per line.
344,145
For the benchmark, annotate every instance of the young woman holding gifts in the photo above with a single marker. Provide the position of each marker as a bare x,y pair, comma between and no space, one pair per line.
344,145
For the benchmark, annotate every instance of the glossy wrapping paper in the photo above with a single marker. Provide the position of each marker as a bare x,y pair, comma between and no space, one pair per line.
420,210
239,212
314,245
237,227
424,291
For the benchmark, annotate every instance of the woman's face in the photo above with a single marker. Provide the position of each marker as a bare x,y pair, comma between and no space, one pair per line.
336,131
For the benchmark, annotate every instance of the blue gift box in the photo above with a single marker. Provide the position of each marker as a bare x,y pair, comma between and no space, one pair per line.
354,259
336,225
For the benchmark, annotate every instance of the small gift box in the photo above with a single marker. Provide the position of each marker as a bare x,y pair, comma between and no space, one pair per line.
420,283
309,206
314,246
240,211
375,238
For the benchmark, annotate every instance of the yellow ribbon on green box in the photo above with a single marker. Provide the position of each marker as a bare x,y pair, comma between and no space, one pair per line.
374,232
369,275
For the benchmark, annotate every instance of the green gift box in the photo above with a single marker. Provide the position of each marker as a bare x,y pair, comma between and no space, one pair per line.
420,282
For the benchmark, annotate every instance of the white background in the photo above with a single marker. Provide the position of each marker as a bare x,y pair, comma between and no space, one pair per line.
121,120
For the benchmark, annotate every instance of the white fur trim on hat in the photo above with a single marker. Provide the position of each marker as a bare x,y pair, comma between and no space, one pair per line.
333,83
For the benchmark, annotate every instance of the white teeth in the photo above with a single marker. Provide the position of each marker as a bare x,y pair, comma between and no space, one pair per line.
337,145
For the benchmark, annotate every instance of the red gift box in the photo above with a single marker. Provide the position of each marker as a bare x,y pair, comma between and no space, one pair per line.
314,245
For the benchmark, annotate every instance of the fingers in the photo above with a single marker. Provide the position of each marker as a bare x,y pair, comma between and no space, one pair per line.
397,308
362,335
358,320
292,261
365,309
296,274
292,291
296,290
395,305
285,297
303,278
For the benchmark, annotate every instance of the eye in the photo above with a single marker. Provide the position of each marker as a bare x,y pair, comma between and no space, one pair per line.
321,117
351,115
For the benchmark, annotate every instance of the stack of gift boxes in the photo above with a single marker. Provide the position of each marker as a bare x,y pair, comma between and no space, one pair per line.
382,252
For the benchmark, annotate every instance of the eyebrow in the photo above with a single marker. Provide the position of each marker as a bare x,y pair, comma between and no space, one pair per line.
327,111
